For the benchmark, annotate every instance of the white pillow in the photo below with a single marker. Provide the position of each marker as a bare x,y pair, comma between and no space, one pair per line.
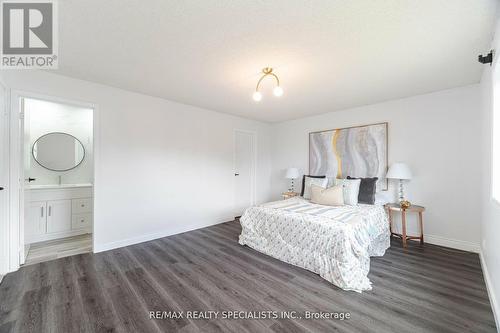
351,190
321,182
332,196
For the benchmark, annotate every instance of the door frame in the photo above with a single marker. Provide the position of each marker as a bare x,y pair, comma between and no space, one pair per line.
253,194
4,203
16,236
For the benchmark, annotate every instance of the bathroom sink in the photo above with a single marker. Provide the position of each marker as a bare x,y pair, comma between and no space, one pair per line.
56,186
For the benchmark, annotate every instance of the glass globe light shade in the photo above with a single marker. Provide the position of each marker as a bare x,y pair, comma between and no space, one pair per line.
278,91
257,96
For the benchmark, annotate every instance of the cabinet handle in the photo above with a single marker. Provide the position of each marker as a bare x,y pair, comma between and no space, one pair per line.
42,211
50,210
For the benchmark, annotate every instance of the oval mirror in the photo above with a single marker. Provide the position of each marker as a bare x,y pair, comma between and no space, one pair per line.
58,151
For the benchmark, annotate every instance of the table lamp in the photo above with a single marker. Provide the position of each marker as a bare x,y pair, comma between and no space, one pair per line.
292,173
402,172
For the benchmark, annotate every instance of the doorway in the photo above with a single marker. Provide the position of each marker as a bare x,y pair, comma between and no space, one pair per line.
245,152
52,143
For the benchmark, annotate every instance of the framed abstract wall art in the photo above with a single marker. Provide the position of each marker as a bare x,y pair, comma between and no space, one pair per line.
360,151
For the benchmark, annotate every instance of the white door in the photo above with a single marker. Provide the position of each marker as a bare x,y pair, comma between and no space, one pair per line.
35,220
4,176
58,216
244,170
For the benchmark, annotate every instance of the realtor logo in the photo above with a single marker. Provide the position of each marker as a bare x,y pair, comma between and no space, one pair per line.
29,34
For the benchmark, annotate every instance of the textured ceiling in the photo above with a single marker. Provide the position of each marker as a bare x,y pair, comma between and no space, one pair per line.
329,54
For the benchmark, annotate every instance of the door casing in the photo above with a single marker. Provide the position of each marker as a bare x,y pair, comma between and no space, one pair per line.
16,170
4,180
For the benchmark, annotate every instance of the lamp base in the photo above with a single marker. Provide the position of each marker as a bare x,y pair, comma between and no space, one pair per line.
405,204
401,193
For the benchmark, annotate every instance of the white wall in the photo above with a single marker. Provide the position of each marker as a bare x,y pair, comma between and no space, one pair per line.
490,226
161,167
42,117
437,134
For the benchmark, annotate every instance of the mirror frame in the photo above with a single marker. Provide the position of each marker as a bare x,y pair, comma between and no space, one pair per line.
56,170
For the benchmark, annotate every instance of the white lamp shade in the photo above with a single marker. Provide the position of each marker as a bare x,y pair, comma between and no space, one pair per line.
292,173
399,171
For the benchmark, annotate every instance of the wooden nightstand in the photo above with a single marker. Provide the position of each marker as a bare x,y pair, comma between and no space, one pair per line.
288,195
413,208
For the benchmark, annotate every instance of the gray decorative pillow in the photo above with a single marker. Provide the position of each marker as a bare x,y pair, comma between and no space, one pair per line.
367,190
351,190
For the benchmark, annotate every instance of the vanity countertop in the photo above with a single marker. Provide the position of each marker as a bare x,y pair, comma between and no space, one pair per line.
56,186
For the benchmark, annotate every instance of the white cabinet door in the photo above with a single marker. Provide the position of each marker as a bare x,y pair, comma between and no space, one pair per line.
58,216
36,220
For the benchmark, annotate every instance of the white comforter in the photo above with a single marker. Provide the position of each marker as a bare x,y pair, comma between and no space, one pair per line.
335,242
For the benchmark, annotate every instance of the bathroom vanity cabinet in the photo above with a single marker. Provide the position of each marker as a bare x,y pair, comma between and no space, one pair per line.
57,211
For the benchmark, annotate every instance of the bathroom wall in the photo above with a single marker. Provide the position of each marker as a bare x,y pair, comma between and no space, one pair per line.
42,117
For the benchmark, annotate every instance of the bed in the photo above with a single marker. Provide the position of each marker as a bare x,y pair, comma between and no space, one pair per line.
334,242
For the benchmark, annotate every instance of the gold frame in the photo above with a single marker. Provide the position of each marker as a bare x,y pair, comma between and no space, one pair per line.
267,71
386,123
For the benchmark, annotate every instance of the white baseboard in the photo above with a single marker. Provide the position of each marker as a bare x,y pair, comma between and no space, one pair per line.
453,243
489,286
148,237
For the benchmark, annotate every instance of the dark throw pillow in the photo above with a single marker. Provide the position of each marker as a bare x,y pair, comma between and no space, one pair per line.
304,182
367,190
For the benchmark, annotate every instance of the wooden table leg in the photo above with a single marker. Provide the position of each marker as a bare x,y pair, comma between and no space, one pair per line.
403,223
421,227
390,220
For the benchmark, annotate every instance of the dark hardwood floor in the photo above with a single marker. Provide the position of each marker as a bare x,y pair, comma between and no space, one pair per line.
423,289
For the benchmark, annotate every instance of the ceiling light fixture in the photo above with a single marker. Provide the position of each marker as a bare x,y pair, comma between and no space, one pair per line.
277,91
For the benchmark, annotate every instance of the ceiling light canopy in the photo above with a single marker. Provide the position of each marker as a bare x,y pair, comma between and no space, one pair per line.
277,91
